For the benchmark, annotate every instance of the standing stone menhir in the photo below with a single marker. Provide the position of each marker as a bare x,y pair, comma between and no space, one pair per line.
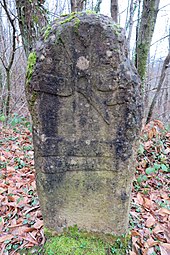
85,100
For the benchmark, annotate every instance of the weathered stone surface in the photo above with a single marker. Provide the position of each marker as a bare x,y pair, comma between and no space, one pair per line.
86,104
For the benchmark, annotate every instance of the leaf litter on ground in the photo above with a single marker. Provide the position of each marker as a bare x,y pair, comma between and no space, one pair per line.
21,223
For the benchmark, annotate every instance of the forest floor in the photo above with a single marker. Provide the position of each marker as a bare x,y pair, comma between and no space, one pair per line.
21,224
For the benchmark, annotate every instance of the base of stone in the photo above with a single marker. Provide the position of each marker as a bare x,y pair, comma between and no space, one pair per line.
78,242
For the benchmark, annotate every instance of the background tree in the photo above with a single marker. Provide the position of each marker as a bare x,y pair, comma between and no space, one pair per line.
114,10
32,16
8,62
144,34
77,5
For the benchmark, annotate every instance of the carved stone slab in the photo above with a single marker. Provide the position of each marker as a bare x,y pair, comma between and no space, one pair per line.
86,105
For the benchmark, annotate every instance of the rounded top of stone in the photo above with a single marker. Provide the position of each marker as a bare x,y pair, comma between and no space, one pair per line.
75,20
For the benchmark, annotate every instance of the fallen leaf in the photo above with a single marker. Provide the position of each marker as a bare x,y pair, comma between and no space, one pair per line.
150,134
5,238
164,248
132,253
151,242
150,222
135,233
2,158
159,124
1,223
147,203
148,144
158,229
139,199
163,211
150,251
38,224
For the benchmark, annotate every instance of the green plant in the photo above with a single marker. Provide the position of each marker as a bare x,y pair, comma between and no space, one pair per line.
2,118
142,178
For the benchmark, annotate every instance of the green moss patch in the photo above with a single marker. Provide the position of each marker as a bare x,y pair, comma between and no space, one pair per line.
69,18
75,242
47,32
30,66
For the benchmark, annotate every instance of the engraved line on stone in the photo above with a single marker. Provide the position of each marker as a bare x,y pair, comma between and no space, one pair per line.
90,101
75,156
78,170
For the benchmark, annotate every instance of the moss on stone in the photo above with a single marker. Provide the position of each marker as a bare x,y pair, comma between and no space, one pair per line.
90,12
30,66
69,18
47,32
74,241
32,99
76,24
64,15
36,250
49,232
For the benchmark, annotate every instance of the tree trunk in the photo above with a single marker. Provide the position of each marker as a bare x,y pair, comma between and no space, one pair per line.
73,5
77,5
32,17
130,22
97,7
8,66
145,33
8,98
161,81
114,10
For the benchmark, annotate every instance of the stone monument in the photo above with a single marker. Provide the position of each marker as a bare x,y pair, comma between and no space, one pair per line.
85,99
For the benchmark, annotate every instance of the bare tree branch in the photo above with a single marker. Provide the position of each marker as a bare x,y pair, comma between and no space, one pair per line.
4,5
161,81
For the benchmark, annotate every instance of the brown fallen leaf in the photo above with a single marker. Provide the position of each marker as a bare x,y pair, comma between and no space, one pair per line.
2,158
2,190
38,224
163,211
164,248
2,249
157,229
168,135
135,233
150,222
132,253
27,230
160,237
148,144
151,242
159,124
150,251
5,238
148,203
139,199
1,224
